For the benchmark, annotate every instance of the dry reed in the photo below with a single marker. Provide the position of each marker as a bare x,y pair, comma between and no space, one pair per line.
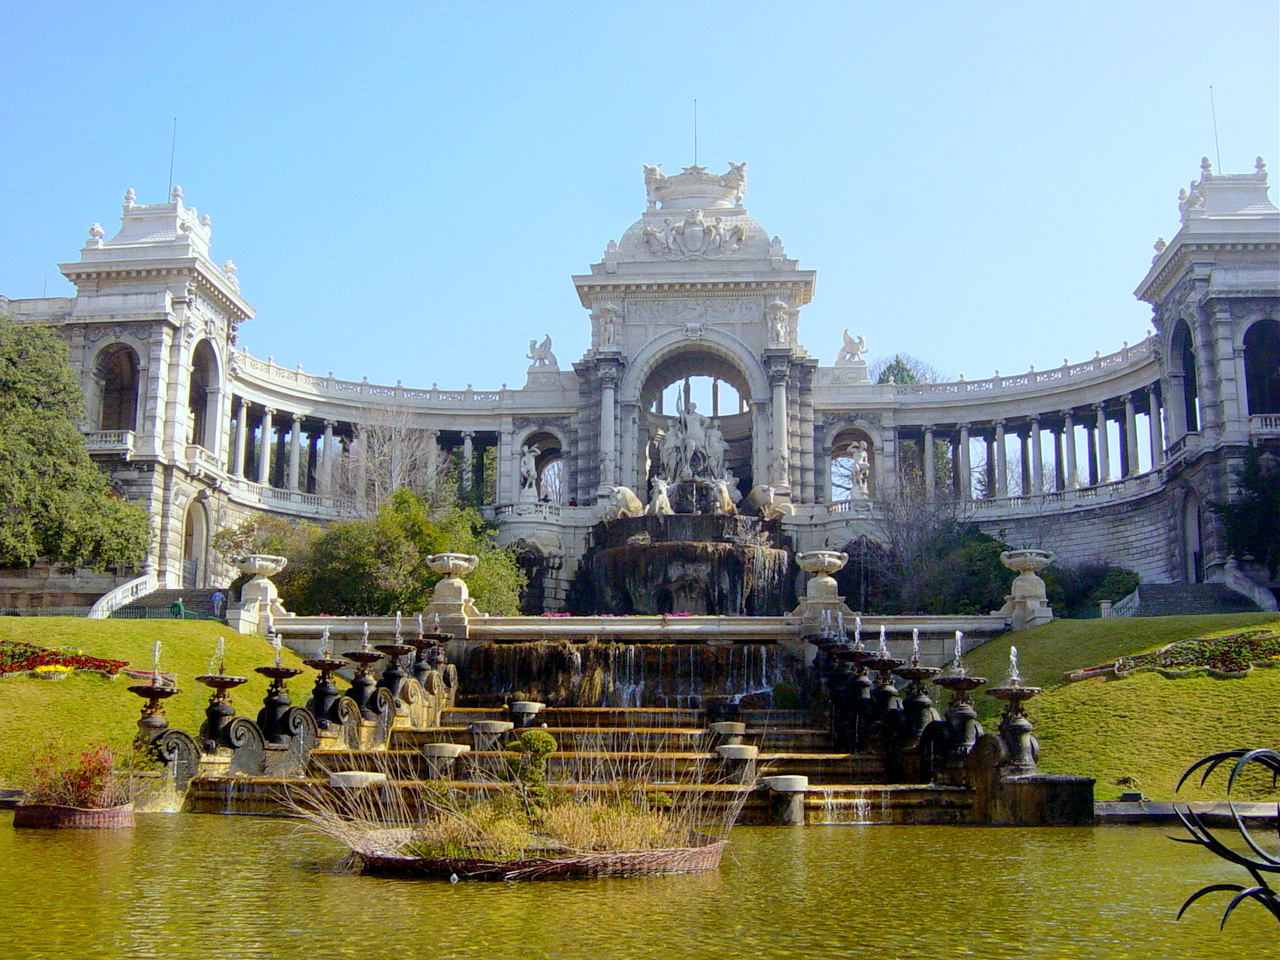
613,806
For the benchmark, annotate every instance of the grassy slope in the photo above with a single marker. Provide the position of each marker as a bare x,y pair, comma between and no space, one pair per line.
89,708
1143,726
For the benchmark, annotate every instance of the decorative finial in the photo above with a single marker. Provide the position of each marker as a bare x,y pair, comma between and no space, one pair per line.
1206,168
176,196
206,221
1261,166
96,232
130,198
229,268
1160,245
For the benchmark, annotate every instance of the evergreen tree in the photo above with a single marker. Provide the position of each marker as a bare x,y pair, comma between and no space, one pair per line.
1251,519
56,504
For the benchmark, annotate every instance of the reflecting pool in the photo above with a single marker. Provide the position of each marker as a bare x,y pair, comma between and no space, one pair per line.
184,885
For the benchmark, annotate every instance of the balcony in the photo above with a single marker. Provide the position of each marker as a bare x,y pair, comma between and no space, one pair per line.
110,443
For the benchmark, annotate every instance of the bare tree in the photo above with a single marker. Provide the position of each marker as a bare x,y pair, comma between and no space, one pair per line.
389,452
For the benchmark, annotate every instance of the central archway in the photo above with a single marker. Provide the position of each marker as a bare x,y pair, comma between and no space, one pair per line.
697,376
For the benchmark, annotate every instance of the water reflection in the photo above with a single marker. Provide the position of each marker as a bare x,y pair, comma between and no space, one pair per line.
196,886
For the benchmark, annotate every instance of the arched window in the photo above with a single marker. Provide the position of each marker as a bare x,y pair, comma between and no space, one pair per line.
202,399
852,465
1183,368
117,374
1262,366
544,470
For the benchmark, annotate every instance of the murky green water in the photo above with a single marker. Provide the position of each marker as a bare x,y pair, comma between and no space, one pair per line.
230,887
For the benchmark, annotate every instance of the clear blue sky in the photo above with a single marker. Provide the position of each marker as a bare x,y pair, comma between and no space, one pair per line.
407,188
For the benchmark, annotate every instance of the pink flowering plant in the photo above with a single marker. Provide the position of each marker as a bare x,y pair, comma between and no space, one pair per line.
90,779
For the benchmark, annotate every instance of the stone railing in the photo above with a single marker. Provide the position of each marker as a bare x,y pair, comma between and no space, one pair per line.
1112,362
1187,443
1265,425
294,501
542,511
198,456
117,442
124,595
1130,487
1124,607
267,369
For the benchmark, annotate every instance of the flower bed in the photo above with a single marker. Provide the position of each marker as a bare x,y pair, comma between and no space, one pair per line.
17,657
1234,655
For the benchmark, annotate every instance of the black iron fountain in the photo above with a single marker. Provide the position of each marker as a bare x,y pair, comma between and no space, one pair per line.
884,695
393,674
324,695
917,708
364,683
276,704
429,647
153,723
1022,748
220,712
955,735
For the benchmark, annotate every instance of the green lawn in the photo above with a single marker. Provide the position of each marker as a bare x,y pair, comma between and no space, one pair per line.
89,708
1144,725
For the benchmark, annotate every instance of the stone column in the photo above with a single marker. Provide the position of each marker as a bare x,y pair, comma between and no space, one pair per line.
1130,437
265,438
242,426
609,425
808,466
965,467
1069,436
1024,458
1157,434
1002,462
468,459
781,455
1104,450
1037,458
433,455
715,397
327,460
929,467
295,452
358,454
1059,458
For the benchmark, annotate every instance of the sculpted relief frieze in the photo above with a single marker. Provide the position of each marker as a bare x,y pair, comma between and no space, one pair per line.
700,310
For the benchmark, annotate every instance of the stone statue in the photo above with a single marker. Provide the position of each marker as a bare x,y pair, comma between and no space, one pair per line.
541,355
670,449
860,471
529,472
736,179
721,502
852,350
693,430
764,499
716,449
621,502
779,314
659,502
607,315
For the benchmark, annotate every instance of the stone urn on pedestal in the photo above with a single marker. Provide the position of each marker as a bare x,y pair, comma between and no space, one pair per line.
259,599
1027,605
822,593
451,600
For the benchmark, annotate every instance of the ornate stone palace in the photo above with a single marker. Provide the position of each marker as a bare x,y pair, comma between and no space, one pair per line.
1113,458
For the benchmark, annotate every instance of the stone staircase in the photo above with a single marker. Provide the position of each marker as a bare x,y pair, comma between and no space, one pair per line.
1190,599
198,605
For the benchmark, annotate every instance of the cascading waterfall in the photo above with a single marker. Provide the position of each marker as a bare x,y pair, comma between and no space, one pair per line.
625,674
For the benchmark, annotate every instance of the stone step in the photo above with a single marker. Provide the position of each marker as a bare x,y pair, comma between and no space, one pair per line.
1190,599
585,716
820,768
659,739
197,604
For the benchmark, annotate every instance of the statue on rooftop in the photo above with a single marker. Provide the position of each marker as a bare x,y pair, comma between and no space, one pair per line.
541,355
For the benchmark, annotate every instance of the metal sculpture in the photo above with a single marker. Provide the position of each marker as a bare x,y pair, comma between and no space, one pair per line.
1258,865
